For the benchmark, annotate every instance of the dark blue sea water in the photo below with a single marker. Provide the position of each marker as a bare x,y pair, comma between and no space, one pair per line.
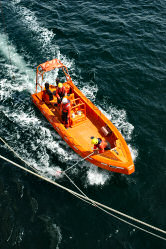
116,53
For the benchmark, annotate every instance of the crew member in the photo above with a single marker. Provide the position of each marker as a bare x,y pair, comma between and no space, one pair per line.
66,112
60,92
47,94
57,81
100,145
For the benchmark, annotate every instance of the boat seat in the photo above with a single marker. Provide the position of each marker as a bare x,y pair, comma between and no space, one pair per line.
78,112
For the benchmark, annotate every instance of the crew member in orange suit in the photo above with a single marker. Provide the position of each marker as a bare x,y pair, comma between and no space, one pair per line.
60,93
100,145
47,94
66,112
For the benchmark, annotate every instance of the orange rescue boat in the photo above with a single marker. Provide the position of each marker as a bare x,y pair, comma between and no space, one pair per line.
86,121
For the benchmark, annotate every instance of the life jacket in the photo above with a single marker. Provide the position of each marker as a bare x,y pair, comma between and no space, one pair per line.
66,107
60,92
50,94
101,145
47,95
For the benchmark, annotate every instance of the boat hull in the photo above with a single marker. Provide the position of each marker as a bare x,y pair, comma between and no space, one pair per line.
118,159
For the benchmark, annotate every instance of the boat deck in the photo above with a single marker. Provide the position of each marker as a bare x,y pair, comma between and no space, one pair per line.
83,133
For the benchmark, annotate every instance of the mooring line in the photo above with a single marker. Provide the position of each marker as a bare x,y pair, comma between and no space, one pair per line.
84,197
99,205
17,155
79,189
78,162
62,172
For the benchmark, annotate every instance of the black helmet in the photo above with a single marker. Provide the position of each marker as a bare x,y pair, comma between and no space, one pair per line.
57,80
46,85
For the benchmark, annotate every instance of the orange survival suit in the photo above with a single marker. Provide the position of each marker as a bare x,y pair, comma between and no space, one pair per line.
60,93
47,94
101,146
66,113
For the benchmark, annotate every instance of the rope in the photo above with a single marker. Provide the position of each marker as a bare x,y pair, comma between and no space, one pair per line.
15,153
63,172
99,205
89,200
84,197
78,162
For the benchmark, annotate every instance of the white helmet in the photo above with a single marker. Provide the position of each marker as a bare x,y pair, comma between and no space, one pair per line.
64,101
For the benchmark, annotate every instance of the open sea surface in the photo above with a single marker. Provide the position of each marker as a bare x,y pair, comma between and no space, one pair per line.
115,52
